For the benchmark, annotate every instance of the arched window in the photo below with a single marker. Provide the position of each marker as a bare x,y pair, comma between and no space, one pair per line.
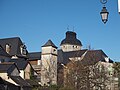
8,48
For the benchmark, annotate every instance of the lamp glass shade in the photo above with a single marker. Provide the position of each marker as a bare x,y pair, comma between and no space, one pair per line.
104,15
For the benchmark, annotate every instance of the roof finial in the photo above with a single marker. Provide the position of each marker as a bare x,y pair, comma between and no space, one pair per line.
73,28
68,28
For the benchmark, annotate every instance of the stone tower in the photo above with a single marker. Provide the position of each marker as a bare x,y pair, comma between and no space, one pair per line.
70,43
49,64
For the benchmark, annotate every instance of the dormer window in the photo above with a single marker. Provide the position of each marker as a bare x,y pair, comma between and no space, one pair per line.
8,48
23,49
54,50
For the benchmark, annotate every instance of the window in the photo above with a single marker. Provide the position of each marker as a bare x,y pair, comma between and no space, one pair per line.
76,46
54,50
8,48
23,49
73,46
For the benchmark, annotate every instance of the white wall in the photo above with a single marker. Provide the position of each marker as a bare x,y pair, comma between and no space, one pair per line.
49,65
67,47
22,74
27,71
5,77
49,49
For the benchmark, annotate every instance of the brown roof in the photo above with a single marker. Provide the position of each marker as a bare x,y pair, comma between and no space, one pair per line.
63,57
93,56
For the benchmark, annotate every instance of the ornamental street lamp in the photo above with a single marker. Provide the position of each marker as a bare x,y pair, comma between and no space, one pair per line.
104,13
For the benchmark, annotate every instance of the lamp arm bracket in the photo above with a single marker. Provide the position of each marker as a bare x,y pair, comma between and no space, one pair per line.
103,1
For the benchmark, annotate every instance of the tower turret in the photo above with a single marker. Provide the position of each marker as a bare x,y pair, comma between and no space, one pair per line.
70,43
49,64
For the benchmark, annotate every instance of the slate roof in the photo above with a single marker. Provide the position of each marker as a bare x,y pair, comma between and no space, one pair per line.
1,81
90,57
34,56
21,63
20,81
63,57
71,39
3,52
7,67
49,43
32,82
17,79
93,56
110,60
15,44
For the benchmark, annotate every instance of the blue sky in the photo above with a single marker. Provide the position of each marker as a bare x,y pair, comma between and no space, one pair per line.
36,21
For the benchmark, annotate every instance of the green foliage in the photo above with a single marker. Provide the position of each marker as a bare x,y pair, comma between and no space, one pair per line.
35,88
67,88
31,74
53,87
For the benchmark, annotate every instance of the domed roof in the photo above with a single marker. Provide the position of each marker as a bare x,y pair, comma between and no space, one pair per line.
71,39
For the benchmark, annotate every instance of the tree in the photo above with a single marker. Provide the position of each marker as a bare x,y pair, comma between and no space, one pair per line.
87,73
49,71
85,77
117,72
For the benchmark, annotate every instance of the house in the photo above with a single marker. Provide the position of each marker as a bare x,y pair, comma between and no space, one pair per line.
16,49
9,73
17,52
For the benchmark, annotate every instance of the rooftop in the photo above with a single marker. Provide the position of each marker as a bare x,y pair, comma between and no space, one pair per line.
14,42
4,67
49,43
71,39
